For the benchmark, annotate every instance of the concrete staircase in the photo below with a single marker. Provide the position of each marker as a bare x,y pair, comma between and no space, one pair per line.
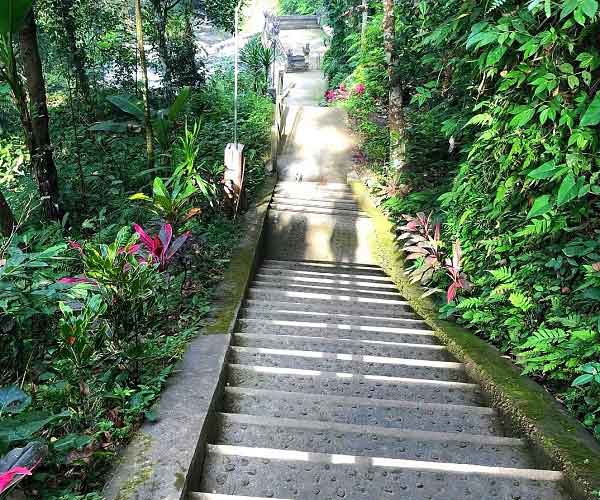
297,22
337,389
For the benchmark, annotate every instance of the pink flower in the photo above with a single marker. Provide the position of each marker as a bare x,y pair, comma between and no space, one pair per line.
6,478
359,89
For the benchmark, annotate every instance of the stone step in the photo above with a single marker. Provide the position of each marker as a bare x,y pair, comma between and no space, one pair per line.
352,384
348,363
315,196
408,320
336,187
364,311
216,496
274,293
308,201
389,413
266,327
369,440
314,271
314,193
300,475
326,289
410,333
266,275
311,202
344,346
283,207
291,264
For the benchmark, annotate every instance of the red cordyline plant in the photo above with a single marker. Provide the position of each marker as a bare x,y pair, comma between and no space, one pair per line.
12,476
421,240
161,247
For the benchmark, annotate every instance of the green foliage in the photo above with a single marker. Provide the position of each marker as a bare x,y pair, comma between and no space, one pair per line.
501,106
172,207
300,7
257,59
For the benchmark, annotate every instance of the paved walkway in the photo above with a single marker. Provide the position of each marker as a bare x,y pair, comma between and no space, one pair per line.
336,389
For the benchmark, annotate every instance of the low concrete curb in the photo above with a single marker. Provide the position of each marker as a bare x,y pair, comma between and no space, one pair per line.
557,437
160,461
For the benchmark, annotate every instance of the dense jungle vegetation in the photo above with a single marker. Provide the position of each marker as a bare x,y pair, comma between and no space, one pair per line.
114,231
479,136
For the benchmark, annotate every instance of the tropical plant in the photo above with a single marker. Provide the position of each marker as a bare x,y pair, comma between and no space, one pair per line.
173,207
163,120
19,463
162,247
257,60
427,250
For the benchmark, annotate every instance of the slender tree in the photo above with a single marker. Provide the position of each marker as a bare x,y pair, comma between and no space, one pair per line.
161,10
77,55
145,92
40,146
396,119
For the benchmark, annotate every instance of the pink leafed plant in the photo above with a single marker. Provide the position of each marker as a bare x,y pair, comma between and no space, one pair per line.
161,247
7,478
359,89
421,240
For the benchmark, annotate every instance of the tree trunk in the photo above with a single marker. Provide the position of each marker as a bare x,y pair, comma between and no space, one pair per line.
191,47
396,121
7,219
76,53
42,161
147,121
365,21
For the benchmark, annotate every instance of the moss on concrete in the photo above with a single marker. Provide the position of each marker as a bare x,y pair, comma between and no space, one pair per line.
239,272
558,438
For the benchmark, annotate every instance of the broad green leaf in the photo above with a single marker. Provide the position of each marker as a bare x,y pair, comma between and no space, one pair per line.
589,7
140,196
573,81
568,190
522,118
109,126
25,425
13,400
592,294
566,68
568,7
179,103
127,105
12,15
582,380
544,171
540,206
71,442
159,189
592,116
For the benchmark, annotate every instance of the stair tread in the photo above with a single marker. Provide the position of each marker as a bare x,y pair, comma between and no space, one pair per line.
318,288
345,308
265,291
363,411
374,429
361,440
329,272
320,314
376,462
344,346
393,368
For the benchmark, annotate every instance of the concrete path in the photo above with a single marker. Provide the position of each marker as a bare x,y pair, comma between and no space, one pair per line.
336,389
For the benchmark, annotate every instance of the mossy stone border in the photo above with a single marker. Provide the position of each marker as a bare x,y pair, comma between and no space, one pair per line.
557,437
